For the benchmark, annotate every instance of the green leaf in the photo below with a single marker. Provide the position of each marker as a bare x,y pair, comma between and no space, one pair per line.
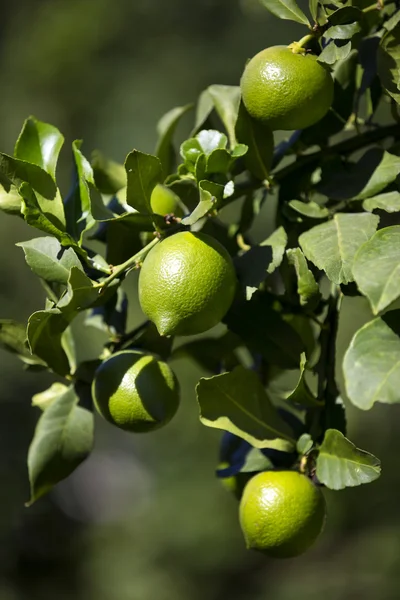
237,402
43,399
166,128
286,9
390,202
210,194
261,260
49,260
376,268
81,293
343,32
332,246
304,444
260,142
312,210
263,329
313,8
109,176
218,161
10,200
63,439
40,144
36,217
335,51
278,241
371,365
388,61
13,339
19,170
226,100
204,108
302,394
44,332
144,171
340,464
307,287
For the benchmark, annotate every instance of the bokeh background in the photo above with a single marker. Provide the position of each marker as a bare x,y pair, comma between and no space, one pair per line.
145,517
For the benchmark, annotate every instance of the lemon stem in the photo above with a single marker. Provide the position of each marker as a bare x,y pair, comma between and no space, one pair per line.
128,264
303,42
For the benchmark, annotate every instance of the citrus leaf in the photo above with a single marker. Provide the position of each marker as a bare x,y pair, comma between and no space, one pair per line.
10,200
388,61
44,332
40,144
286,9
313,8
340,464
335,51
34,215
144,171
332,246
109,176
304,443
204,108
210,194
307,287
63,439
390,202
226,100
166,128
18,171
343,32
13,339
81,293
43,399
376,268
278,241
260,142
371,365
311,210
49,260
302,394
237,402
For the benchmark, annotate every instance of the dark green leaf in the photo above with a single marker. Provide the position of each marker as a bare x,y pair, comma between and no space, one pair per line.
13,339
335,51
19,171
343,32
307,287
371,366
166,128
260,142
302,394
63,439
237,402
10,200
34,215
81,293
210,194
389,62
204,108
332,246
340,464
376,268
286,9
144,171
226,100
40,144
44,333
49,260
109,176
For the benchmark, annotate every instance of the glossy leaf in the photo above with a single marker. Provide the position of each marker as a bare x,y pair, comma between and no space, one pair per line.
332,246
302,394
388,58
40,144
49,260
204,108
340,464
81,293
237,402
166,128
335,51
371,365
286,9
210,194
63,439
44,333
390,202
10,200
307,287
144,171
226,100
376,268
312,210
109,176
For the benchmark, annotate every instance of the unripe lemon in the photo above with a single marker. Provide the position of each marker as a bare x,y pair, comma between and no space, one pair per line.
135,391
164,201
186,284
281,513
286,90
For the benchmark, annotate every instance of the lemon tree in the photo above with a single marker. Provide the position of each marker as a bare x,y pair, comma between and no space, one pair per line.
258,310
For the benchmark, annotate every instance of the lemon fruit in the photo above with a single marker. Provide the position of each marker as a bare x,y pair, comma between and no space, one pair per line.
164,201
135,391
281,513
285,89
186,284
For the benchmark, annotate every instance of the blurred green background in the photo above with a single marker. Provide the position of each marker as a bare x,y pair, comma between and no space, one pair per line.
145,517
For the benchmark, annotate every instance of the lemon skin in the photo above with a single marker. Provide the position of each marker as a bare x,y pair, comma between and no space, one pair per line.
187,284
286,90
281,513
135,391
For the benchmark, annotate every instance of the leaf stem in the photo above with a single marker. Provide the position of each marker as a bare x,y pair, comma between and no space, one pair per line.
128,264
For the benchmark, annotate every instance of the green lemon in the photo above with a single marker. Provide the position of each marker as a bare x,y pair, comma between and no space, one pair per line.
164,201
286,90
281,513
135,391
186,284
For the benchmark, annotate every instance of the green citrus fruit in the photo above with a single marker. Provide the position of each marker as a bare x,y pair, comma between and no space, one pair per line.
186,284
286,90
281,513
164,201
135,391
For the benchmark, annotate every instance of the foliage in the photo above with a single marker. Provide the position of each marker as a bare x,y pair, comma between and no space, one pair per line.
336,234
